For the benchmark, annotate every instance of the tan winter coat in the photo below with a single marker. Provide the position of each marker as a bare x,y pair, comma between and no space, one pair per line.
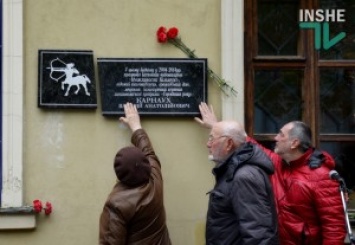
136,215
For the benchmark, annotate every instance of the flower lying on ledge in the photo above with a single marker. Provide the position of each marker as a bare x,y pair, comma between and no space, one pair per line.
165,35
37,207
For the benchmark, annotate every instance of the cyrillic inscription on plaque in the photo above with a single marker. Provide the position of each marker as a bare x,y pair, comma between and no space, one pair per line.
156,86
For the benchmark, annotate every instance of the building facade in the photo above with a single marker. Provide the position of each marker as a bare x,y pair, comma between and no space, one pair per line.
65,155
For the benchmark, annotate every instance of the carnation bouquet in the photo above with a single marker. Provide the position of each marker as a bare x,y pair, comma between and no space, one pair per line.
171,35
36,207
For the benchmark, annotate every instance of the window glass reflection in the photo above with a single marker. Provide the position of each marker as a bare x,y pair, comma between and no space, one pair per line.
337,100
278,31
345,48
277,99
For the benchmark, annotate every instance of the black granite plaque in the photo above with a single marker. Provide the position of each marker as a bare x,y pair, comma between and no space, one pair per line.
171,87
66,79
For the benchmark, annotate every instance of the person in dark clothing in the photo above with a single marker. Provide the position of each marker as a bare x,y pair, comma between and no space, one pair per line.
134,211
308,202
241,208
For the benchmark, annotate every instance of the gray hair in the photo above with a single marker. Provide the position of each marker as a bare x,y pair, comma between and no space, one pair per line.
235,131
303,133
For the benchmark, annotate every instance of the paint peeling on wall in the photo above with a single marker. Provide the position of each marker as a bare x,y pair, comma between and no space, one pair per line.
52,140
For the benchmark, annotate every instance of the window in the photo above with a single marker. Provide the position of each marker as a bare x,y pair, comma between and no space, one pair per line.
287,79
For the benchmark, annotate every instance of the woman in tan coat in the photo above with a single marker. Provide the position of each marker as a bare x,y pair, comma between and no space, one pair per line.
134,212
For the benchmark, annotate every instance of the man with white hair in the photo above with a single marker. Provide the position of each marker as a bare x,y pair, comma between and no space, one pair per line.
241,207
309,205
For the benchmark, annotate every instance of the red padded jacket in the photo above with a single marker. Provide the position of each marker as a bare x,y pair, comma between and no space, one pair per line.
309,205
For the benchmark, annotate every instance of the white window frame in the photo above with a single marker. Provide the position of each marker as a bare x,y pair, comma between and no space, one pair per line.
232,28
12,104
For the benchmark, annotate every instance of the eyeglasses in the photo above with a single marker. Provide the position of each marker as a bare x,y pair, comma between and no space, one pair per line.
212,139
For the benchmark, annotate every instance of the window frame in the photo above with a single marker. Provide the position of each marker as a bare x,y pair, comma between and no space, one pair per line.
311,67
232,57
12,104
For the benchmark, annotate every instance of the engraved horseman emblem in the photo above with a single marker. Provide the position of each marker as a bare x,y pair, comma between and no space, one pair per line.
72,77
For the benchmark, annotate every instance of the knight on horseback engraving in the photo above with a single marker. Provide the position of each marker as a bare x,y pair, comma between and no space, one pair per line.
72,77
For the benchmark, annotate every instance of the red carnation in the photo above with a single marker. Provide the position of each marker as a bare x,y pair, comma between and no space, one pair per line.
48,208
171,36
173,32
37,206
161,29
162,37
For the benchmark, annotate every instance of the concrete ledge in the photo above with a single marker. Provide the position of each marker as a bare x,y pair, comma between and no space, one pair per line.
18,221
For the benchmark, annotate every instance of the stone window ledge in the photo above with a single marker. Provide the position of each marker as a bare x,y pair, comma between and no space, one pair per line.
17,218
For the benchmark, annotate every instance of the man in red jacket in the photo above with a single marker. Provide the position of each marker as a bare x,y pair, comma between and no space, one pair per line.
309,206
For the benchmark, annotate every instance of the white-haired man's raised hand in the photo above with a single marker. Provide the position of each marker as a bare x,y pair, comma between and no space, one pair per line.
208,118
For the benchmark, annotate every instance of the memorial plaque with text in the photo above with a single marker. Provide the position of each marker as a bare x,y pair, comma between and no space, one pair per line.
172,87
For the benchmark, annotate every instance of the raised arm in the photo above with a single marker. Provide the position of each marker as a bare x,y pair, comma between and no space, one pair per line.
140,138
208,118
131,118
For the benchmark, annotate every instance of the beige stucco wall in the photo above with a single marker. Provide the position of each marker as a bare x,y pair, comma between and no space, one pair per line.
68,153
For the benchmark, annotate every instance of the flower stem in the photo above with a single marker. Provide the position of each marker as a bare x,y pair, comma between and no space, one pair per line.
222,84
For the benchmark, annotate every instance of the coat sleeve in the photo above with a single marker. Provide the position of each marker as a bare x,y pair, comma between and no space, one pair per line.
275,158
141,140
112,227
252,203
330,211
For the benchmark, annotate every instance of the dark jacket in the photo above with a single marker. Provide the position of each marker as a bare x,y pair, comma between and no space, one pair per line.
241,208
136,215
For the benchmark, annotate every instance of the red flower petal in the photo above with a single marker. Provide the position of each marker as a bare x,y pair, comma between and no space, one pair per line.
37,206
162,37
48,208
173,32
161,29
